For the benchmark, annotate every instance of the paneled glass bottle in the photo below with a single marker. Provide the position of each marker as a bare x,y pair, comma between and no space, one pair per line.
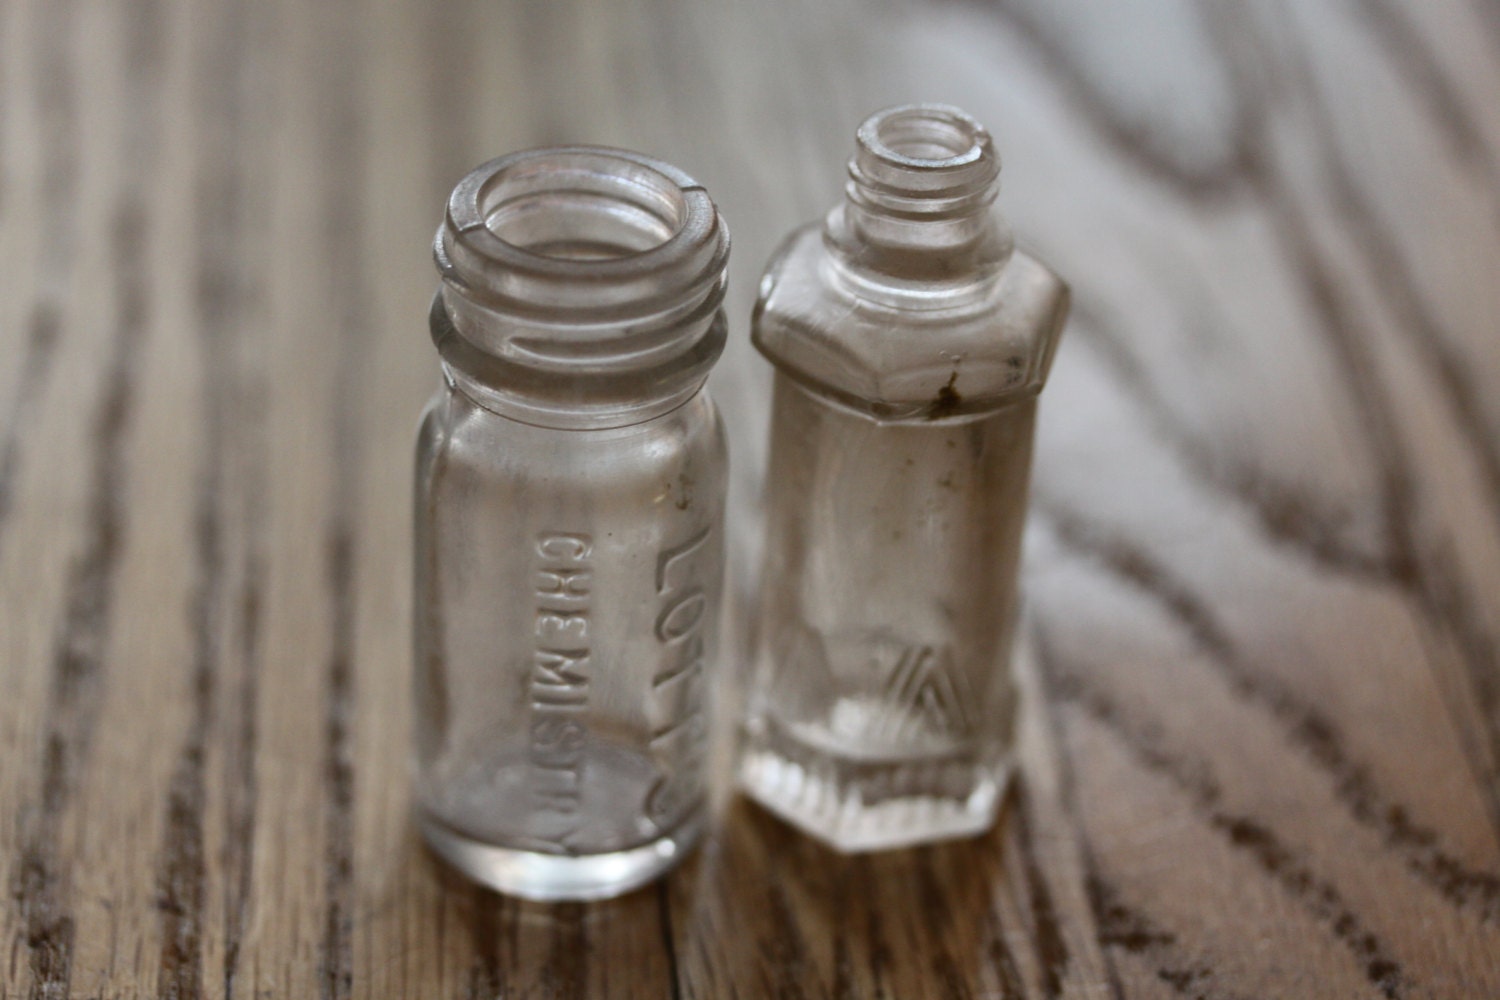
569,523
910,341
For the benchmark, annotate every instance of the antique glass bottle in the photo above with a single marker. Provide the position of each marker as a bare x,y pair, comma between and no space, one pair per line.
910,341
570,484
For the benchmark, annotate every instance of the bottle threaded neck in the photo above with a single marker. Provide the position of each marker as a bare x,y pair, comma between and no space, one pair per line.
580,280
923,180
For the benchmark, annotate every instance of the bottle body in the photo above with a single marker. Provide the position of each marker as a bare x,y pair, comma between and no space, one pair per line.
883,706
910,342
566,589
569,504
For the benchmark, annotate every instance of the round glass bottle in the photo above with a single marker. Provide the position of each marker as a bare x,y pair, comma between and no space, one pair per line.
910,341
570,482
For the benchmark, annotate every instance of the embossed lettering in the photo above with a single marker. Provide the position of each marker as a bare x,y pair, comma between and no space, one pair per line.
679,739
564,583
564,669
564,548
681,616
557,626
676,558
560,672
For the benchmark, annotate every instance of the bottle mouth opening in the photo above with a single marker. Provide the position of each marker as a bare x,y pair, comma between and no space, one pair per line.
579,229
924,151
930,136
582,207
922,186
580,280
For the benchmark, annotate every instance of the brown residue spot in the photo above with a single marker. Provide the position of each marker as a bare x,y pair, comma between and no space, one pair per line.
947,400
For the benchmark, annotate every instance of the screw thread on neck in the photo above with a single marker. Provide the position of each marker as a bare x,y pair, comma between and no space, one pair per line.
581,286
921,191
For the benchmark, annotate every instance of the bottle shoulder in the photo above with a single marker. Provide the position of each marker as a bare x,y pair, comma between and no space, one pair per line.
476,444
933,351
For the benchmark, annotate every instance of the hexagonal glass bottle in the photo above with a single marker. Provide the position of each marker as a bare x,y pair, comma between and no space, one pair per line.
570,485
910,341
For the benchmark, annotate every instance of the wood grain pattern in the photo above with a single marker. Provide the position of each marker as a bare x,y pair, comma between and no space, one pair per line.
1260,755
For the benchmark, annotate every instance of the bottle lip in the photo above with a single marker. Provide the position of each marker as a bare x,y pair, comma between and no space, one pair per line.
919,211
580,283
923,158
683,242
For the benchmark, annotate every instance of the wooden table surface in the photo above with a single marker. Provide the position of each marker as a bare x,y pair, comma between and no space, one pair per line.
1261,743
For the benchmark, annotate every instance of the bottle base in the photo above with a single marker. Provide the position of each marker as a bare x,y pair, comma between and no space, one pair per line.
853,807
551,878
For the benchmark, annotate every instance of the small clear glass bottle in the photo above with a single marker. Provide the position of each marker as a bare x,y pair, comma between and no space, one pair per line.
910,341
570,483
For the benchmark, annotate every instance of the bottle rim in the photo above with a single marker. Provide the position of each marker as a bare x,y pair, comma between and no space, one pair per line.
580,284
919,219
681,244
924,159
